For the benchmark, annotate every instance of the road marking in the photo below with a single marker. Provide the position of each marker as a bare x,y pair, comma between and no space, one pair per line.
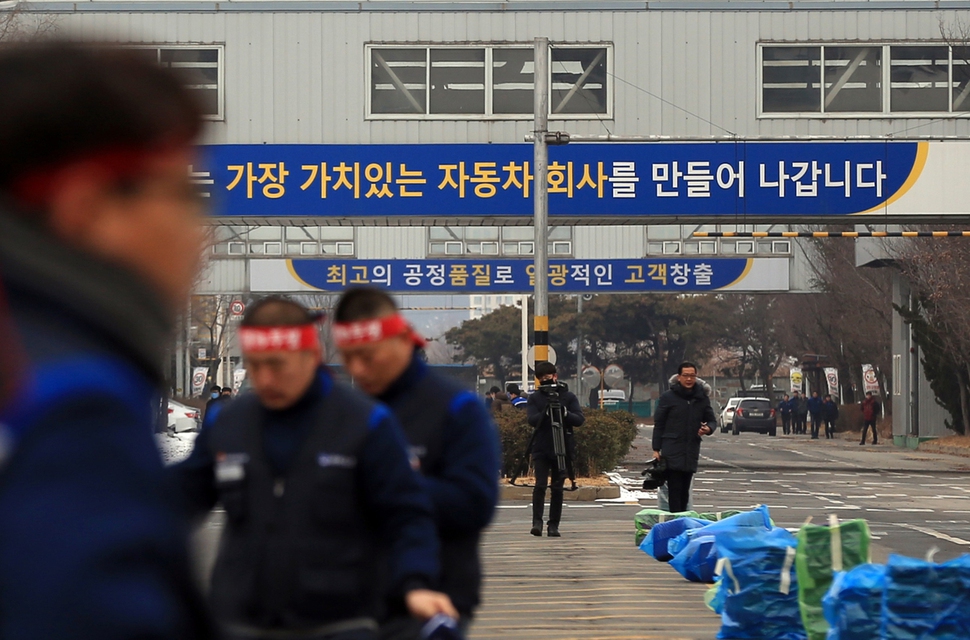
934,533
912,510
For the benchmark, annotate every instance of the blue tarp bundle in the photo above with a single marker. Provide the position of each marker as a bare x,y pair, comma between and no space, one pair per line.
926,600
758,585
697,560
853,604
655,544
758,518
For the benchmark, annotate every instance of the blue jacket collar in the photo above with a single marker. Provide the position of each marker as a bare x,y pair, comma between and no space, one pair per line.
416,370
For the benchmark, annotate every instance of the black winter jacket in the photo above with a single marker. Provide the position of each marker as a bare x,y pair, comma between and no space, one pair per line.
679,415
572,417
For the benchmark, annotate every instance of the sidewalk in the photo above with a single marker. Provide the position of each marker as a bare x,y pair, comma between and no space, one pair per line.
593,583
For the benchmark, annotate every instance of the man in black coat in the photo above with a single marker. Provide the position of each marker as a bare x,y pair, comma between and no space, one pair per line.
684,415
543,454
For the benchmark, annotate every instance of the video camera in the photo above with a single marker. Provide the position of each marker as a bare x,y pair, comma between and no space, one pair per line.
553,390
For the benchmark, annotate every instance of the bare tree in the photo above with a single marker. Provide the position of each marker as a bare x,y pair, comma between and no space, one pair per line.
939,272
17,23
849,320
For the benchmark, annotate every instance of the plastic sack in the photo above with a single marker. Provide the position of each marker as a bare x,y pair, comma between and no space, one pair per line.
926,600
655,544
645,520
853,604
757,518
697,561
758,585
714,516
714,597
823,551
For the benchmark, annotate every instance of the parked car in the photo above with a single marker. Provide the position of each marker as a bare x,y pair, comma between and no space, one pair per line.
728,413
612,397
754,414
182,418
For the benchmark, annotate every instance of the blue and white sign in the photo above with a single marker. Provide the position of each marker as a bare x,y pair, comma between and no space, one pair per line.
704,179
503,276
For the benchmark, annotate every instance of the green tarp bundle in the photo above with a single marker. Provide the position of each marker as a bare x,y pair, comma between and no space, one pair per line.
822,551
645,519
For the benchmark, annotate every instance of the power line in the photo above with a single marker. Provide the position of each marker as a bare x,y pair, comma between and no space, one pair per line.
668,102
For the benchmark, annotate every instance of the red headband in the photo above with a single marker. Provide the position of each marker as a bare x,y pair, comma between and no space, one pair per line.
293,338
34,187
349,334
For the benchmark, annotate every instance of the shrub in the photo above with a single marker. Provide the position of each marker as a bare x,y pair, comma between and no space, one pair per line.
602,441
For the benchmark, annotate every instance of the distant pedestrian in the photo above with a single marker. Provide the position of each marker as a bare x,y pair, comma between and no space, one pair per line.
870,413
490,397
815,413
799,413
501,402
516,397
684,415
784,408
216,402
830,413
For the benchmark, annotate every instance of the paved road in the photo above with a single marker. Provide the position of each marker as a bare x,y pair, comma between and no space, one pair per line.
594,583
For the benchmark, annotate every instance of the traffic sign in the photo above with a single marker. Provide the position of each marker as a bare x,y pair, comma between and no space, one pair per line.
531,356
591,376
613,375
237,308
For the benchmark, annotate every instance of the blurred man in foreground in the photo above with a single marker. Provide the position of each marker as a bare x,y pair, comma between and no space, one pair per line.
99,243
316,483
451,436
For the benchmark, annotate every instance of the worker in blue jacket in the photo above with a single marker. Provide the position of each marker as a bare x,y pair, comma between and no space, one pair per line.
99,244
452,438
815,412
785,409
316,482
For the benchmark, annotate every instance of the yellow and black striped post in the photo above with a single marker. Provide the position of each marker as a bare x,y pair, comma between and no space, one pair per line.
831,234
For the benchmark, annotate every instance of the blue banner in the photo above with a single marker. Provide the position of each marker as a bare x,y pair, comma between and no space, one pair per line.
517,276
585,180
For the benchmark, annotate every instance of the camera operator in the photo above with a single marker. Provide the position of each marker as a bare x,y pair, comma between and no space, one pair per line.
551,396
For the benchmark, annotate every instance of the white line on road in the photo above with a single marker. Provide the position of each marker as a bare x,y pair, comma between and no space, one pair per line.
912,510
934,533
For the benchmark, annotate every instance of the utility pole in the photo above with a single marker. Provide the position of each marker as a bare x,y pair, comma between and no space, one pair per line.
579,349
541,198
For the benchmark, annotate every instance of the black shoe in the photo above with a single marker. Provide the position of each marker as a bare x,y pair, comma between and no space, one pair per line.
553,531
536,528
862,444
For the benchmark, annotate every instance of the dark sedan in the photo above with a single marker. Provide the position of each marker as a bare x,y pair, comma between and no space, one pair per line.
754,414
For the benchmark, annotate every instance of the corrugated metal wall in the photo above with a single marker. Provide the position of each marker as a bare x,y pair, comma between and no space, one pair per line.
300,77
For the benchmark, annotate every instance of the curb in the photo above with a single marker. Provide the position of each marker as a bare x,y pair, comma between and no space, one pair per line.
582,494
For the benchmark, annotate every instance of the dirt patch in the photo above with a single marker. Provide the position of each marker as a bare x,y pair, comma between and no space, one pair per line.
962,442
595,481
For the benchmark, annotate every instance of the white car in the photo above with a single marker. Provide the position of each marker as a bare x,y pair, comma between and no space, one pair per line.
727,414
612,397
182,418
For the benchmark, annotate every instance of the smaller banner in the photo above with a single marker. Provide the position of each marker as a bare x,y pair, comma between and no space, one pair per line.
237,379
796,379
869,379
832,377
199,375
